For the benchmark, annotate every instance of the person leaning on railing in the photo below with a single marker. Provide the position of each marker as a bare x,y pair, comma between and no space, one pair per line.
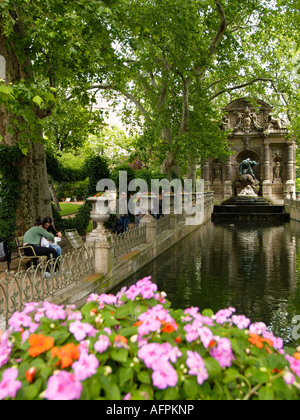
32,239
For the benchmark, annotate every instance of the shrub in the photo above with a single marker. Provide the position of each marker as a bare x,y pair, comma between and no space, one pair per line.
134,346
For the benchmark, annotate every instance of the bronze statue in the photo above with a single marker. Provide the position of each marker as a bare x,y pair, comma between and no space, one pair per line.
246,167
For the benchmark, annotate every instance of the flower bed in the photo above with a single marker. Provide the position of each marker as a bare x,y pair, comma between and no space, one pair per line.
134,346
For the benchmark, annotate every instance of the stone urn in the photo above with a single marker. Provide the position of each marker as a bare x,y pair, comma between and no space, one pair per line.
100,215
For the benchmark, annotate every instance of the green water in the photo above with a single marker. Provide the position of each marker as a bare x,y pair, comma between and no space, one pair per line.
252,267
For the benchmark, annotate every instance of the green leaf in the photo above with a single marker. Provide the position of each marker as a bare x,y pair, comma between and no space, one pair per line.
60,337
125,375
122,312
119,355
266,393
7,90
38,101
213,367
144,377
114,393
191,388
208,312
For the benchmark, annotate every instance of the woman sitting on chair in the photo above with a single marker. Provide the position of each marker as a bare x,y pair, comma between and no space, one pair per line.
48,226
32,239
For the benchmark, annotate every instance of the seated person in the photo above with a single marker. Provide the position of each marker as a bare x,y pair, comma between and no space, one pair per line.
48,226
33,238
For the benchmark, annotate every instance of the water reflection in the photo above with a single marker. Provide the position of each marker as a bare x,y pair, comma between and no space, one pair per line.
252,267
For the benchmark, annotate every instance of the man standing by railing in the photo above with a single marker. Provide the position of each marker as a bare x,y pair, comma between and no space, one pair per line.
122,211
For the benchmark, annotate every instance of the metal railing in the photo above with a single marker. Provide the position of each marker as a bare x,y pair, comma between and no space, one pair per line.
41,282
163,224
128,241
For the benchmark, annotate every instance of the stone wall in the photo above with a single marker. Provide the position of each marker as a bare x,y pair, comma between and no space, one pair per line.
292,206
112,273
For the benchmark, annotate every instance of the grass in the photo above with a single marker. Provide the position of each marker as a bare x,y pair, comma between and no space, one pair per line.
69,208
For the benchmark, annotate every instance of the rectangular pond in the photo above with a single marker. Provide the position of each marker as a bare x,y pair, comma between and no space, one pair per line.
253,267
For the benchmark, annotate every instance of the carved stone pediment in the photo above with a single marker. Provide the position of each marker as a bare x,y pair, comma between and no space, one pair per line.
244,118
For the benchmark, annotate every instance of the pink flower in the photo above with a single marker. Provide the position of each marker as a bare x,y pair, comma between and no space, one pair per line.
294,364
30,307
133,292
197,367
102,344
259,328
93,298
5,349
9,386
223,353
81,330
277,342
85,367
164,375
150,353
206,336
192,333
224,315
40,313
289,378
54,312
148,291
192,312
19,320
63,387
241,321
151,325
107,299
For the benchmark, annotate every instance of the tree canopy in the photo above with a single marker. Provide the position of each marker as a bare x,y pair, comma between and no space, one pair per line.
174,63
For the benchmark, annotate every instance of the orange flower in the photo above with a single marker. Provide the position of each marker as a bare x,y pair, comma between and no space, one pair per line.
138,323
258,341
121,339
178,340
297,356
30,374
168,328
39,344
121,342
212,344
66,355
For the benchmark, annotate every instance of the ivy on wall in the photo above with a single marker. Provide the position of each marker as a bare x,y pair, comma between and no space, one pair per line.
10,189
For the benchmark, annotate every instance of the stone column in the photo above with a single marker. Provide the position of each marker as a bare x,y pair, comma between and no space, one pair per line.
151,228
267,184
290,183
205,175
228,187
100,238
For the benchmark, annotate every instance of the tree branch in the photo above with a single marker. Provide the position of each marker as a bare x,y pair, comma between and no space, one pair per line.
185,105
239,87
127,95
217,39
222,28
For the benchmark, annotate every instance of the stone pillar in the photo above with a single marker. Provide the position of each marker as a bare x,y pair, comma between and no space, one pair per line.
151,228
290,183
267,184
101,238
104,254
205,175
228,187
